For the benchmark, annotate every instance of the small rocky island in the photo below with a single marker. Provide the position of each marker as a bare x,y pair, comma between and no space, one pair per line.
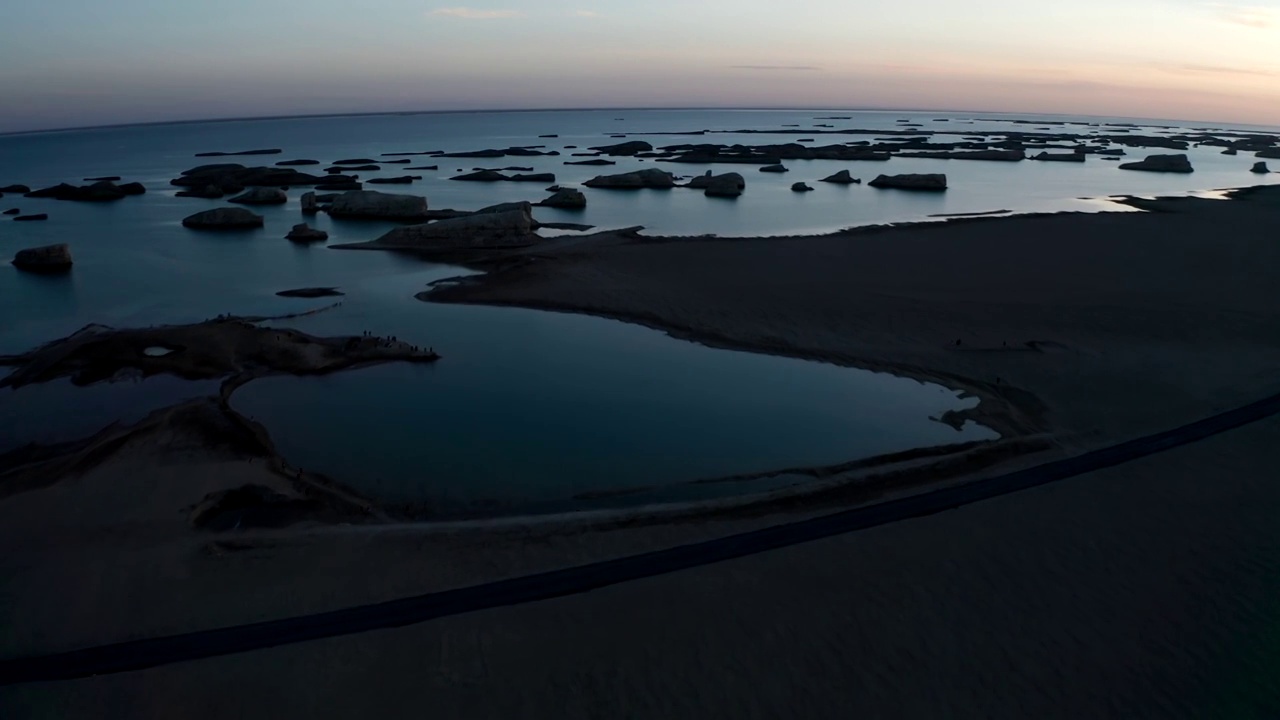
932,182
504,226
223,219
1161,163
637,180
46,259
101,191
311,292
230,347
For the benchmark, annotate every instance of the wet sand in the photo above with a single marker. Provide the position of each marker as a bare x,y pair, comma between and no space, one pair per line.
1146,590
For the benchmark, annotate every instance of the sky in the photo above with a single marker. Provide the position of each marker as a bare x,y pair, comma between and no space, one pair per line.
69,63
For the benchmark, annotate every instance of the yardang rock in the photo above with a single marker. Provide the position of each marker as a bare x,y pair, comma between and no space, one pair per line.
473,232
376,205
841,178
1161,163
725,185
929,182
261,196
566,198
625,149
303,233
46,259
650,178
223,219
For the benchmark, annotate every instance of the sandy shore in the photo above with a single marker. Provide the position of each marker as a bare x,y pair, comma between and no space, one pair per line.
1142,591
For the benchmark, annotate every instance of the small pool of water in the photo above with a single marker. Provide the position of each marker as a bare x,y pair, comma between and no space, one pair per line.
58,411
552,412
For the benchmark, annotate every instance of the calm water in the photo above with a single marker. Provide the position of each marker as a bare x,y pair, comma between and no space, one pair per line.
526,405
57,411
532,408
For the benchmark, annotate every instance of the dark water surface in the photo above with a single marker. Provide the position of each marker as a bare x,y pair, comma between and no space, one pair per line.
532,408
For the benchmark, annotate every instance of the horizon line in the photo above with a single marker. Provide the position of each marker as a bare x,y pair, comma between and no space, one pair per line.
311,116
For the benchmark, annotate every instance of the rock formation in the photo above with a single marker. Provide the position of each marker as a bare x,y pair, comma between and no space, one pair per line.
267,151
232,178
311,292
1161,163
841,178
375,205
46,259
1060,157
1260,168
801,187
930,182
996,155
566,198
303,233
481,176
624,149
523,206
261,196
512,152
726,185
473,232
638,179
700,182
223,219
103,191
341,186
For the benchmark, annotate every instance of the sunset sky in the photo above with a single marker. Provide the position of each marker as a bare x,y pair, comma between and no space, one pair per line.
88,62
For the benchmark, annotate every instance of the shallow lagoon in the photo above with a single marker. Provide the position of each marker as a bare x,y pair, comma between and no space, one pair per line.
539,408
